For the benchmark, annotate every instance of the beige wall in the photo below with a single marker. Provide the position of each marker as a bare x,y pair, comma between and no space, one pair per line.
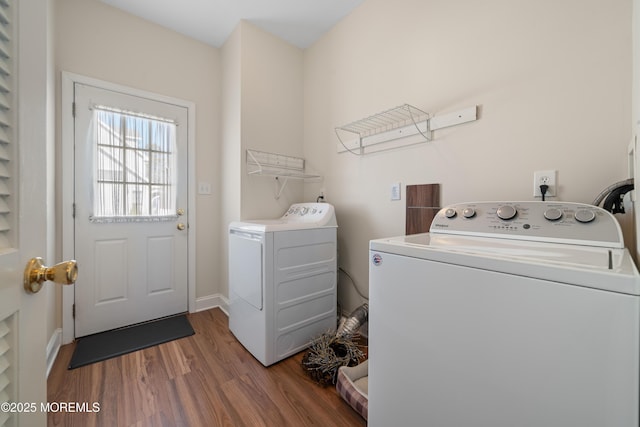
249,94
262,110
99,41
272,118
553,81
231,143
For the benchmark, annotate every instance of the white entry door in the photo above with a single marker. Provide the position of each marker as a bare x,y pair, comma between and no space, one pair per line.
131,214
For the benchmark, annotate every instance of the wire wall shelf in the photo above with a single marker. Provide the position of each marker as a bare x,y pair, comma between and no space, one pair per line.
277,165
396,123
387,120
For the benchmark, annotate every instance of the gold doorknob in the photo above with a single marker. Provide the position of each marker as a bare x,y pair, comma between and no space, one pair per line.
35,274
181,226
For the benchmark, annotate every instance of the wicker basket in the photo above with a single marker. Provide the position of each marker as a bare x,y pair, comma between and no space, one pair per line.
329,352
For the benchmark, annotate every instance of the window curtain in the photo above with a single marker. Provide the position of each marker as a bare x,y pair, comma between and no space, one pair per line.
134,167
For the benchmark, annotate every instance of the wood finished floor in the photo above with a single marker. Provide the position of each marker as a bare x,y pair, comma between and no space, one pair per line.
207,379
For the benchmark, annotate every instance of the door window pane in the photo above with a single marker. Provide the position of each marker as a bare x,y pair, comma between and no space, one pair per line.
135,164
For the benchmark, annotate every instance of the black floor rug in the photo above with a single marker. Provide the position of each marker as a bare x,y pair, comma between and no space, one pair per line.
105,345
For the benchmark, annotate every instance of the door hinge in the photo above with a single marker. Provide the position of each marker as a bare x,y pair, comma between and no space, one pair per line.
73,311
73,212
73,109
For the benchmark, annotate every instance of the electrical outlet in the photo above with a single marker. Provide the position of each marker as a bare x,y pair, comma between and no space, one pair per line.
547,177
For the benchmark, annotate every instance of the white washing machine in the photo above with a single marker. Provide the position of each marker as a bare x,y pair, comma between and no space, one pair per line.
282,280
505,314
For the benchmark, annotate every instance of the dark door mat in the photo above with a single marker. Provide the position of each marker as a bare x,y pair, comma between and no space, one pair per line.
105,345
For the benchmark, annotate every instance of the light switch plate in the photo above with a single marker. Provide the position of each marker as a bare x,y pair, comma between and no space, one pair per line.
204,188
395,191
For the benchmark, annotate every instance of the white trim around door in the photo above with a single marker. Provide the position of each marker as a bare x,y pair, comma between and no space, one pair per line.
67,180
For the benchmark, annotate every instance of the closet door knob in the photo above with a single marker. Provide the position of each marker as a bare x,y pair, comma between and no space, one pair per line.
35,274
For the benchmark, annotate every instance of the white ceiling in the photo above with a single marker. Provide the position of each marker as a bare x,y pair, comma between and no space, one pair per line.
300,22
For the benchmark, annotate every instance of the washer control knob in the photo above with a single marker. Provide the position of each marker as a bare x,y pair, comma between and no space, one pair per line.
553,214
506,212
469,213
304,211
450,213
585,215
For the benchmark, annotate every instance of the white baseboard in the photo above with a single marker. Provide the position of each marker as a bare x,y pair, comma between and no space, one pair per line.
213,301
53,346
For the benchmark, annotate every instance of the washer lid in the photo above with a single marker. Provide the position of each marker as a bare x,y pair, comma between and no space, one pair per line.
299,216
261,225
608,269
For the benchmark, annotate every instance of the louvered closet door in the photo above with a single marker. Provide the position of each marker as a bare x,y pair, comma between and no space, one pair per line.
9,296
26,190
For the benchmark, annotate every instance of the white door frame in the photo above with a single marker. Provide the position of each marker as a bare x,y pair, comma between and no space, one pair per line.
67,165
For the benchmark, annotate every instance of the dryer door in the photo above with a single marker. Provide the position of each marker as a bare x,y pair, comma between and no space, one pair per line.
245,266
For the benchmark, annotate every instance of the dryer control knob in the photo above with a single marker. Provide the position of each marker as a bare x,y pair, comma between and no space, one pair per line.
506,212
553,214
585,215
469,213
450,213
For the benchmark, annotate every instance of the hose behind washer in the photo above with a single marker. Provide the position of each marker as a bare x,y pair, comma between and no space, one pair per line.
614,187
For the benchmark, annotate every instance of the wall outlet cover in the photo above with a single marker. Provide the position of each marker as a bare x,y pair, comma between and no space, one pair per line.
547,177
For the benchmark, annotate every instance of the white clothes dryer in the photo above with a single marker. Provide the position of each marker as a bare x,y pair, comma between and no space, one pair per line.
283,280
505,314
